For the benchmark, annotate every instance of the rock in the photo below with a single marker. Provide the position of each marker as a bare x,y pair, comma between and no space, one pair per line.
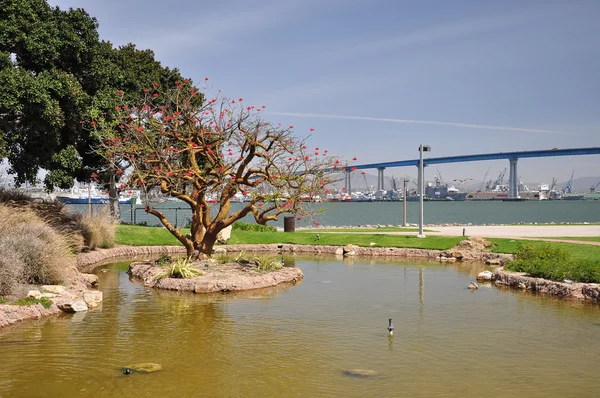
455,253
88,279
104,270
219,250
73,306
473,285
349,250
145,367
360,373
34,294
485,276
56,289
494,261
522,286
49,295
224,235
339,251
92,297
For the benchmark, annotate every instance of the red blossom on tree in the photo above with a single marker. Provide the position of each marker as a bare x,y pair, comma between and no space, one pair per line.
177,144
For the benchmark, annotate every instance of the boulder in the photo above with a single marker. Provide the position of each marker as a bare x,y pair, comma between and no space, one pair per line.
56,289
73,306
92,298
34,294
349,250
494,261
339,251
485,276
473,286
224,235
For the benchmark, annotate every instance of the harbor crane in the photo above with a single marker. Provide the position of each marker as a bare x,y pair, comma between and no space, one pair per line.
484,177
499,181
569,186
593,187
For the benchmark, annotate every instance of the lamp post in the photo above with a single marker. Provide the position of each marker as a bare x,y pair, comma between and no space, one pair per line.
422,148
406,180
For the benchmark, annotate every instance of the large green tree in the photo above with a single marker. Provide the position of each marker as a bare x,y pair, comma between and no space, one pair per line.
54,70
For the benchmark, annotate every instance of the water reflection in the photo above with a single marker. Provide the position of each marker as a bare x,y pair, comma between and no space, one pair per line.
299,339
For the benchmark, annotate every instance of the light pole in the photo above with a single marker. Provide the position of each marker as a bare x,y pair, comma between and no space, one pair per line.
422,148
406,180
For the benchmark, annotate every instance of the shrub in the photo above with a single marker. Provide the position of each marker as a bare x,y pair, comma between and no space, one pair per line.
2,300
242,226
554,264
98,229
181,268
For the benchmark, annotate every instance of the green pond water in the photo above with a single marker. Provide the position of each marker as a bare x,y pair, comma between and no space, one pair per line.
298,340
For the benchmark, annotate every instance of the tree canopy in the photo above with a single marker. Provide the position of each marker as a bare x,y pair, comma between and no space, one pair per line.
207,153
54,70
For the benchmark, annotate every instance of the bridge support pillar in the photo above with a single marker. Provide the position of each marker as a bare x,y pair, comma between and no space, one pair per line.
349,181
513,179
380,183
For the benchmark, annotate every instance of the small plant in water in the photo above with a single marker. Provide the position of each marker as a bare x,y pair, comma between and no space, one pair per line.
26,301
267,263
180,268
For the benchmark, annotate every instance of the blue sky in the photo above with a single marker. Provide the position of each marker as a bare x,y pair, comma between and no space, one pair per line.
376,78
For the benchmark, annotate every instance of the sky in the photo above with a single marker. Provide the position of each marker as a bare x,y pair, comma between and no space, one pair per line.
376,78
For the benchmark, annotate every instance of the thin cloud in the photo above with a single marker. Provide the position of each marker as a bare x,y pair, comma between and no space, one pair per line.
431,122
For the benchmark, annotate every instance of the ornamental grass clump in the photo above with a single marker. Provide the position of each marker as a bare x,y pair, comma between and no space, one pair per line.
98,229
267,263
180,268
243,226
32,251
554,264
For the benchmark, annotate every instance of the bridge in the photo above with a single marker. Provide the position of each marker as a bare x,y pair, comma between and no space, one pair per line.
513,157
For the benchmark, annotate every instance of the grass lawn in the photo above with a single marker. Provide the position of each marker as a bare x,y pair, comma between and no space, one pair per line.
136,235
578,251
368,230
581,238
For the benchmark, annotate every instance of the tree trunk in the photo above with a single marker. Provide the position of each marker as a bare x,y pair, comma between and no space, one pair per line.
113,199
207,244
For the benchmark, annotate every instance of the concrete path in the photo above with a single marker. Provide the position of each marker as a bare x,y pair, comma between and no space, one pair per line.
518,231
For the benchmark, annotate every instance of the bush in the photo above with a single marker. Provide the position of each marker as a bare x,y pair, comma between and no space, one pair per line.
242,226
181,268
98,229
554,264
2,300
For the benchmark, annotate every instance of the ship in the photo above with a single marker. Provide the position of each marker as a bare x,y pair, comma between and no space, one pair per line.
92,195
438,191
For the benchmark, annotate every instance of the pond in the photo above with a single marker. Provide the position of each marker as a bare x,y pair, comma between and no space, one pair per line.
298,340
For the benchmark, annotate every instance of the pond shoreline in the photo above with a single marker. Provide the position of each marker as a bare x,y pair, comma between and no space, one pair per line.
87,262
